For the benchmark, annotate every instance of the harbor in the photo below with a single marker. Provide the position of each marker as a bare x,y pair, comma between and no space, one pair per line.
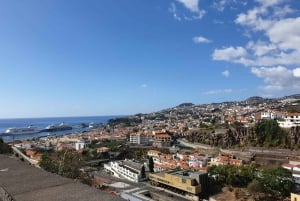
29,128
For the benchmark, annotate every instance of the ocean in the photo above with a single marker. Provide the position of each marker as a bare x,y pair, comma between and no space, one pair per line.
43,122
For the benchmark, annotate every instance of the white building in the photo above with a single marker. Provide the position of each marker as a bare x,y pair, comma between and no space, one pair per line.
140,138
80,145
290,120
126,169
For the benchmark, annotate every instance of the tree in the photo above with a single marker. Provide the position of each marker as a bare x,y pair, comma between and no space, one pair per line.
254,187
276,180
4,148
151,164
143,172
269,134
65,163
48,164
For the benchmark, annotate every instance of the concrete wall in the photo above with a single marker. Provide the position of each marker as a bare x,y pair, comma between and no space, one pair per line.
5,196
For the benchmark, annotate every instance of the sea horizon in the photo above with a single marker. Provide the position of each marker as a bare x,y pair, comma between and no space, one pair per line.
80,116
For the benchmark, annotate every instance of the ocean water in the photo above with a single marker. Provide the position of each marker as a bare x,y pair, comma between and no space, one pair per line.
43,122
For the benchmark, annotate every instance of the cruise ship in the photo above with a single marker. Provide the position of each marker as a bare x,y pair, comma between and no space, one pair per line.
60,127
27,130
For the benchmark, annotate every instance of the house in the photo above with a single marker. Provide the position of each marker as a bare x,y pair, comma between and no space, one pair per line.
79,145
153,153
162,140
102,149
33,154
140,138
290,120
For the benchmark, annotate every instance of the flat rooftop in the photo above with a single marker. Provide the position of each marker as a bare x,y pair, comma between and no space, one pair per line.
28,183
181,173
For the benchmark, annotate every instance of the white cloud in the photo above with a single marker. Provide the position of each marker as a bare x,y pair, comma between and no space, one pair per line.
219,91
273,50
229,53
220,5
226,73
278,78
192,5
200,39
268,3
282,11
261,48
296,72
253,19
286,33
173,10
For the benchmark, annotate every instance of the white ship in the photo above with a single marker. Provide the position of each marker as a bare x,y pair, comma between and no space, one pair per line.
28,130
60,127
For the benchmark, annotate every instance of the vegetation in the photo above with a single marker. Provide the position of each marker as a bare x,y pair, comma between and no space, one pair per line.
65,163
151,164
4,147
113,145
277,181
265,133
143,172
269,134
126,121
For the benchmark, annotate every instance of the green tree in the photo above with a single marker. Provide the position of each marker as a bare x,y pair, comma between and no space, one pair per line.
151,164
4,147
276,180
269,134
143,172
48,163
65,163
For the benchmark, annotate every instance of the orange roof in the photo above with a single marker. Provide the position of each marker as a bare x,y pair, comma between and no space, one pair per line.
30,152
154,152
162,136
293,114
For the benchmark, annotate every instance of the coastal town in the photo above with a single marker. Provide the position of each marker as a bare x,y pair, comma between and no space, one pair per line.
176,153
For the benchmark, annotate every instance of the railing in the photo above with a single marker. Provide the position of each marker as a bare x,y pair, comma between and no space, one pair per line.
5,196
26,158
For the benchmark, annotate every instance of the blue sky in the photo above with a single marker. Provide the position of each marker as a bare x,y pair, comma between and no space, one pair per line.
81,58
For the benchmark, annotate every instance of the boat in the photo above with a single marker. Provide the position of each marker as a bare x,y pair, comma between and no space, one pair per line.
27,130
60,127
93,125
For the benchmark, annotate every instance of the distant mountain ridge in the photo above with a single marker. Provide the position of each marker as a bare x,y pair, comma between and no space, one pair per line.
251,101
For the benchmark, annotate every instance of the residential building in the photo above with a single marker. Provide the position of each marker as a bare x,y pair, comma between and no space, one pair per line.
80,145
127,169
162,140
290,120
102,149
140,138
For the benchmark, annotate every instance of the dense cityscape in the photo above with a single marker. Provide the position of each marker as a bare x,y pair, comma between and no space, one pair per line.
243,150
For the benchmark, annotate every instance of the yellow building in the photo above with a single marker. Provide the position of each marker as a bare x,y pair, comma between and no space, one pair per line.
188,183
295,197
